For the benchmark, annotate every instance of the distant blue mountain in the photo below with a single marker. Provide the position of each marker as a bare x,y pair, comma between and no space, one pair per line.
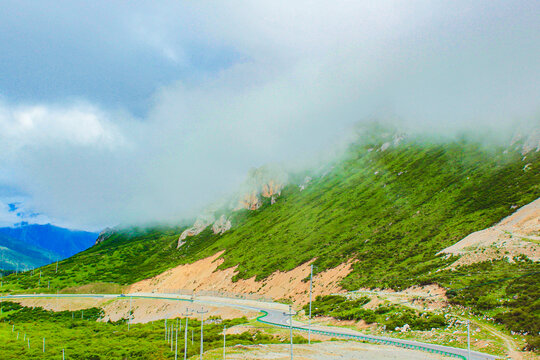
17,255
42,244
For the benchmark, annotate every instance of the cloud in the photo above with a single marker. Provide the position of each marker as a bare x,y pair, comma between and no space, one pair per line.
301,76
43,125
14,213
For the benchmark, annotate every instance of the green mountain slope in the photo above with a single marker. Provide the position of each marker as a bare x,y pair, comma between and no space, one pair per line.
393,210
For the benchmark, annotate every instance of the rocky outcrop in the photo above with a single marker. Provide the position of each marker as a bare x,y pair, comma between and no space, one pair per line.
221,225
249,201
104,235
264,182
271,188
305,183
527,140
200,224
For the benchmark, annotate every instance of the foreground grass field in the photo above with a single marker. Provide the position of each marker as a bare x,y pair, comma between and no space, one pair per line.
83,337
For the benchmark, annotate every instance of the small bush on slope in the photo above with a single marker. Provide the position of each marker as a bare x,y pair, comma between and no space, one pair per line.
391,316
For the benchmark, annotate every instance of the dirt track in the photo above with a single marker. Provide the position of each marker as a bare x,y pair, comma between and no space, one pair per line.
330,350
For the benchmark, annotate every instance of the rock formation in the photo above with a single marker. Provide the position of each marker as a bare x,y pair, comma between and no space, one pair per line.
527,140
271,188
104,235
221,225
249,201
305,183
200,224
266,181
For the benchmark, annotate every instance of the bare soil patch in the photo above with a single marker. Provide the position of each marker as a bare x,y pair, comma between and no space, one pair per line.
147,310
329,350
203,275
517,234
59,304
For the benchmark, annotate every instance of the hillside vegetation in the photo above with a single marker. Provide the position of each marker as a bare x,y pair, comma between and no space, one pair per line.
393,210
82,337
391,207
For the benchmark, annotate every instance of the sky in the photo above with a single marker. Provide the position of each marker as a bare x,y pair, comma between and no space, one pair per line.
116,112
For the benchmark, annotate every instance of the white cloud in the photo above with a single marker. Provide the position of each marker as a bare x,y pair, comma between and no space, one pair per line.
12,211
44,125
308,71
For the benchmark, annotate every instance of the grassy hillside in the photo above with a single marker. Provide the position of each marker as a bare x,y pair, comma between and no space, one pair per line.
123,258
393,210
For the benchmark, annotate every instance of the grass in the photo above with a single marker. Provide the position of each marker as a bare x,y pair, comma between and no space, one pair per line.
448,331
393,210
389,316
86,338
125,257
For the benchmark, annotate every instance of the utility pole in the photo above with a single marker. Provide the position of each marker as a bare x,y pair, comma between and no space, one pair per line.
310,292
176,342
172,335
43,344
468,340
165,329
63,354
186,314
224,341
290,314
202,312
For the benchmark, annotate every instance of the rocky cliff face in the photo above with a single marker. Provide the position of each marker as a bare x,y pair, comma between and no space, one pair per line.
104,235
200,224
527,141
265,182
221,225
249,201
271,188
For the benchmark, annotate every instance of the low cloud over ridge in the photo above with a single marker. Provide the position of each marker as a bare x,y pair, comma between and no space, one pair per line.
302,76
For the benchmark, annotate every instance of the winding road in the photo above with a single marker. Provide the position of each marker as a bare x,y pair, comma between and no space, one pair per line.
276,314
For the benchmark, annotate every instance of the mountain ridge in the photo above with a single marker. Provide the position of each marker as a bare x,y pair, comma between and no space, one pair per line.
387,206
56,243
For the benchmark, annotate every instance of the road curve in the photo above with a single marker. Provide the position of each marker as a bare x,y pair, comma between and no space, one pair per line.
277,317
